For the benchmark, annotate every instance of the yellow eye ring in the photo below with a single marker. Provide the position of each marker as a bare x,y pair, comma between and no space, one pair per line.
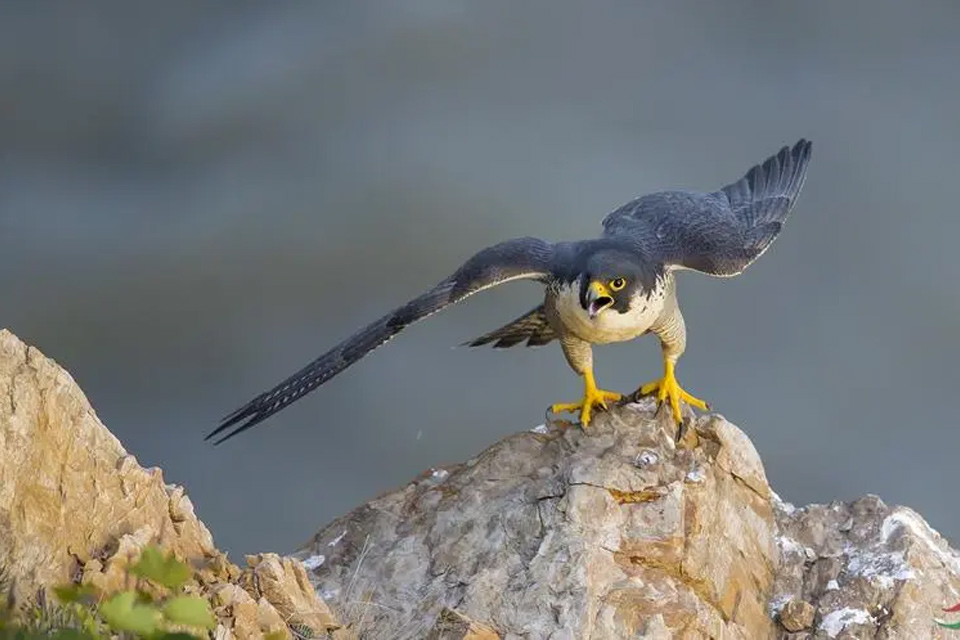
618,283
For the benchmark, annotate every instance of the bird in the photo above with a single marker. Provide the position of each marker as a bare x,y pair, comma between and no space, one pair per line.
613,288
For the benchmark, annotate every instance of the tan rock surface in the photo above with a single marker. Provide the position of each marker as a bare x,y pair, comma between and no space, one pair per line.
284,583
797,615
74,505
614,532
68,489
617,532
609,533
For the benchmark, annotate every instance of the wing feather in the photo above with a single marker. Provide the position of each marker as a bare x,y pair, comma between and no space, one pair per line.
719,233
532,327
522,258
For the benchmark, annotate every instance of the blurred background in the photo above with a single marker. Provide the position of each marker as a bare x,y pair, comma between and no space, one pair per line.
197,199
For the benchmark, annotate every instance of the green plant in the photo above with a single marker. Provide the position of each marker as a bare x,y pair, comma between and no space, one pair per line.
82,613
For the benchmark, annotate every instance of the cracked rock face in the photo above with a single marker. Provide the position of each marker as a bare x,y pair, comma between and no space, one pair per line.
75,506
613,532
68,489
616,532
863,570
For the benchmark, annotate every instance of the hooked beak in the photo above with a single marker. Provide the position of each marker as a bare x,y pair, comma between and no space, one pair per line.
598,298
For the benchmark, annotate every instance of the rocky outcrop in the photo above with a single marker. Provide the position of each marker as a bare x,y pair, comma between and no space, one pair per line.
862,570
605,533
75,506
619,532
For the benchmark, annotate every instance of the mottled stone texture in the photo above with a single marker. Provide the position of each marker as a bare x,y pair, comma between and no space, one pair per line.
611,532
867,570
75,506
619,532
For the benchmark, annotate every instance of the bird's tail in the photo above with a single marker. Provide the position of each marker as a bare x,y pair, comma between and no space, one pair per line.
531,327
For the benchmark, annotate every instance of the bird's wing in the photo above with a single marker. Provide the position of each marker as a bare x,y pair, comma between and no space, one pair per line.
521,258
717,233
532,327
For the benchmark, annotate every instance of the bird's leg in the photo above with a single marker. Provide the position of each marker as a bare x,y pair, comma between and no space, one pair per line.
668,389
672,332
592,397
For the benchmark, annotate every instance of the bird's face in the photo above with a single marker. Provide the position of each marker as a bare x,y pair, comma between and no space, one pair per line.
610,284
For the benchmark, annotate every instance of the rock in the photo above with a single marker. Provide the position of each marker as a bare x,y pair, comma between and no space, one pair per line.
868,569
269,620
75,506
569,534
737,454
284,583
239,611
68,489
453,625
797,615
613,532
618,532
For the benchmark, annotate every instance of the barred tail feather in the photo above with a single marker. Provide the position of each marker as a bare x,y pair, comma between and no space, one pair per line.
532,328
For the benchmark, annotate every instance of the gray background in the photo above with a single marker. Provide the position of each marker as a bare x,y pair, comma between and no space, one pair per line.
196,199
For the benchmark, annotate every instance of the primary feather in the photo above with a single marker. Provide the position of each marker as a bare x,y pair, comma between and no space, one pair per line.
529,258
718,233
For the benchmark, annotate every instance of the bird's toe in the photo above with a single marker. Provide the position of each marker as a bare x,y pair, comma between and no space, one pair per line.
669,391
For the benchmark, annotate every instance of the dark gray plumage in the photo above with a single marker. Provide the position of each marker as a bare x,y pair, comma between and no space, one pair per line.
717,233
511,260
613,288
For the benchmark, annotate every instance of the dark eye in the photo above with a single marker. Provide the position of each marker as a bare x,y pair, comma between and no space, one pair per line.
617,284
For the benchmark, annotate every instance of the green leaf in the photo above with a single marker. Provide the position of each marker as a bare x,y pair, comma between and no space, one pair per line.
948,625
161,568
192,611
70,593
174,635
122,613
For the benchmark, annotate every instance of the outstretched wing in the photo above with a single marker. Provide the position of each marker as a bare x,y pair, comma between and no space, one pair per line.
532,327
717,233
528,258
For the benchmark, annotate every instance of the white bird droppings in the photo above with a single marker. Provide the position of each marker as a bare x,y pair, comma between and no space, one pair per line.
313,562
836,621
697,475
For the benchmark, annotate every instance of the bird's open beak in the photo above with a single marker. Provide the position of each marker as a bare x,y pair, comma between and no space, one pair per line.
598,298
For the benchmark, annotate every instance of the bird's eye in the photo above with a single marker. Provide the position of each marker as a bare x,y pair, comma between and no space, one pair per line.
617,284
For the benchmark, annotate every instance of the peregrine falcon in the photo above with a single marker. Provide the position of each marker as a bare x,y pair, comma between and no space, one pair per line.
609,289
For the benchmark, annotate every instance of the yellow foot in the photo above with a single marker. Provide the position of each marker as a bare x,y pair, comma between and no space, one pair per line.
669,390
593,397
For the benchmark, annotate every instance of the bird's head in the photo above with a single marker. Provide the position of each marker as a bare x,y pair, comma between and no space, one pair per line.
611,280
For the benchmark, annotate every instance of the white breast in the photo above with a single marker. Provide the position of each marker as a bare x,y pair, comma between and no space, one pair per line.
610,325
